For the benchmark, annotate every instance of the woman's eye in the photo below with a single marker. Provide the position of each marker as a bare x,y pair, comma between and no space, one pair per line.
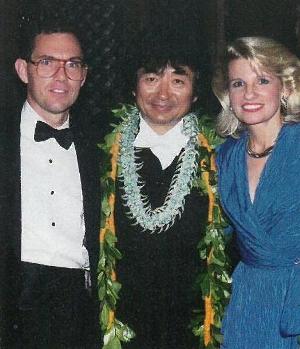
237,83
263,81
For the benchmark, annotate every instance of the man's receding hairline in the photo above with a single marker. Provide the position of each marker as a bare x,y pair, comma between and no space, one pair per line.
56,33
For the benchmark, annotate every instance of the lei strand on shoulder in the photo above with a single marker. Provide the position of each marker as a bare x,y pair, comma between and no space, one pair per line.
214,280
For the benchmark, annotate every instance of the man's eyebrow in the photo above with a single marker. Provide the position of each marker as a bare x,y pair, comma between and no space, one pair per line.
151,71
44,56
180,71
76,58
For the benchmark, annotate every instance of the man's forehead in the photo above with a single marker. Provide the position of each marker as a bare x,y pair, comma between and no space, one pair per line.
44,39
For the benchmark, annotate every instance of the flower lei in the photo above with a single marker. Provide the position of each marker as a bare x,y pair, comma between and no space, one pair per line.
214,280
161,218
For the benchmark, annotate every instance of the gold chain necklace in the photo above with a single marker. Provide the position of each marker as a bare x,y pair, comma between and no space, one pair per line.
255,155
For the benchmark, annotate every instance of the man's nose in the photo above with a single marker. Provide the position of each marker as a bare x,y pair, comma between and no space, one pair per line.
61,72
164,90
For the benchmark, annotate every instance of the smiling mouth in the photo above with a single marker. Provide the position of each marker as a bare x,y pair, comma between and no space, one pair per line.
252,107
58,91
161,106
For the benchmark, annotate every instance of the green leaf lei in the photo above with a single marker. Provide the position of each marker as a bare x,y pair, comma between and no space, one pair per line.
214,280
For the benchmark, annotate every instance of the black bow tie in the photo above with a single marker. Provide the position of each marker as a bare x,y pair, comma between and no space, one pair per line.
43,132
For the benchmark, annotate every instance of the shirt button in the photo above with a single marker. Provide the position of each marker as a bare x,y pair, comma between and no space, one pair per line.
50,161
53,224
52,192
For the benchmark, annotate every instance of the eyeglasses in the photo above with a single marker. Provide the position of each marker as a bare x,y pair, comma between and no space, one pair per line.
48,67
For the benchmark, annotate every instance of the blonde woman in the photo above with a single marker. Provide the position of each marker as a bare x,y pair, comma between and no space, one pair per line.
258,86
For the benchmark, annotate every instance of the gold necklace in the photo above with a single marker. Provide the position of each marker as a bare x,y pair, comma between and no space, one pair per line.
255,155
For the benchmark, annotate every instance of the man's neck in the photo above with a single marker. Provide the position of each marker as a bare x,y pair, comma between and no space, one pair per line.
53,120
161,128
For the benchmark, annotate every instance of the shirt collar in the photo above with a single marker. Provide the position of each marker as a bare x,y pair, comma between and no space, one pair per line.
166,146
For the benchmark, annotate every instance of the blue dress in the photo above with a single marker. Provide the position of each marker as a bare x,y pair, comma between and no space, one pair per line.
264,310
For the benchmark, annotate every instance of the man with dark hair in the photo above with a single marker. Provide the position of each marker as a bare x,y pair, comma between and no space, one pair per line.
50,235
160,214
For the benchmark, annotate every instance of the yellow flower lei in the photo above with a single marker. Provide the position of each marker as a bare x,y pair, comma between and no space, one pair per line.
214,280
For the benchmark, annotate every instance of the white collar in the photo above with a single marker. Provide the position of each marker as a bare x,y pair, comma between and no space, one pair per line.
166,146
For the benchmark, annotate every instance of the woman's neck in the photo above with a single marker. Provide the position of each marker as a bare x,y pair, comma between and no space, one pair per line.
263,136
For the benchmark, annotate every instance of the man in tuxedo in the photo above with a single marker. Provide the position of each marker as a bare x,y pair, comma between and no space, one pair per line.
50,202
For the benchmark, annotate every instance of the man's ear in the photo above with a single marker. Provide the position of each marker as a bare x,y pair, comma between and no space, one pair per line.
21,69
83,81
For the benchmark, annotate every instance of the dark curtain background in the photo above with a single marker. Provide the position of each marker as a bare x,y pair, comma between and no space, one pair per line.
110,30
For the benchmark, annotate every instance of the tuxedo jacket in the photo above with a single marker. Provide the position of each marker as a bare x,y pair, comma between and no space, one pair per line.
10,209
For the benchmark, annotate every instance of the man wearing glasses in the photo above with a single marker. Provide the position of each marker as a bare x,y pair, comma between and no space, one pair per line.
52,251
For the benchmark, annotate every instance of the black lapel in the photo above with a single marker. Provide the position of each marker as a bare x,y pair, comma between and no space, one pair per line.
14,177
88,163
10,211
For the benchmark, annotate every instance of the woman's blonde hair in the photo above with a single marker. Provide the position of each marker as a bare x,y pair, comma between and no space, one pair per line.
264,54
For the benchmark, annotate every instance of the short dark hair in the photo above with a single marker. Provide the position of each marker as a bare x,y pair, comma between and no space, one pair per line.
153,51
31,28
156,64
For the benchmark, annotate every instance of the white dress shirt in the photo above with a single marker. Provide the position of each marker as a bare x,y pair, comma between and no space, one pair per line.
166,146
53,226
